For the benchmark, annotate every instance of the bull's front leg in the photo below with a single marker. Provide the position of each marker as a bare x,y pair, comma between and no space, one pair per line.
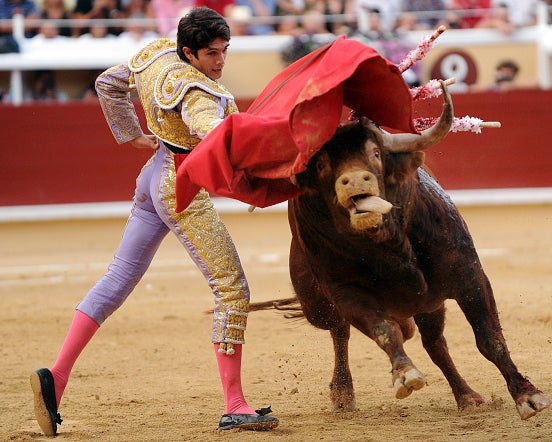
389,335
480,309
342,393
431,326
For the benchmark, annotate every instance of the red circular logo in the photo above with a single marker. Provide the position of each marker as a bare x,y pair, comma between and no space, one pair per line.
456,64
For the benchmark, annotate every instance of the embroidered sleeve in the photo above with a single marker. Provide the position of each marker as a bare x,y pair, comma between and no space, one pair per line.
113,87
202,112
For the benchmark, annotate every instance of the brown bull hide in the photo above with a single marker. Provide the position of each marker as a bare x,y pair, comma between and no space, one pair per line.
382,271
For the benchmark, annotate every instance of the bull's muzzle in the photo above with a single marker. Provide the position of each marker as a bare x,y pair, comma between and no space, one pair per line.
358,192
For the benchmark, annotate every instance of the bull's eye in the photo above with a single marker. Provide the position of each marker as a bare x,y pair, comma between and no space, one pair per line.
322,163
377,153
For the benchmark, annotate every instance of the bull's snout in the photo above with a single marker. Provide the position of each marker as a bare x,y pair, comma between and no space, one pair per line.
356,179
354,183
358,192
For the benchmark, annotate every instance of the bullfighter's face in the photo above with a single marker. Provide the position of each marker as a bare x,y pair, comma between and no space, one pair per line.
210,60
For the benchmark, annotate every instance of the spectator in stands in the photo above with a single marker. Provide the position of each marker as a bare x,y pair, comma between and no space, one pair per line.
505,76
427,13
55,10
408,21
223,7
136,30
521,12
141,10
390,44
238,20
289,25
48,31
97,29
261,11
168,13
95,10
313,23
313,35
497,18
452,19
389,11
8,8
293,7
44,88
372,29
337,7
471,11
89,94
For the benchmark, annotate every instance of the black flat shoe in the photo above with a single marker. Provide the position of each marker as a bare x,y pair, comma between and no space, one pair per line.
253,422
45,406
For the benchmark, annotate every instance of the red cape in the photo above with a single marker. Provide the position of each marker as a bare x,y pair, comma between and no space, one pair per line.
251,155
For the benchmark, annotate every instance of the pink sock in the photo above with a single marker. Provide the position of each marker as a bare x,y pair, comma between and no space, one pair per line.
230,376
81,331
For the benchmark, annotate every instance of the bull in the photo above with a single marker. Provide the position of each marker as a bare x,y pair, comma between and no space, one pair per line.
377,244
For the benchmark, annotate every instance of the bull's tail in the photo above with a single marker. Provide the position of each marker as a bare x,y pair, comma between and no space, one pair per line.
290,305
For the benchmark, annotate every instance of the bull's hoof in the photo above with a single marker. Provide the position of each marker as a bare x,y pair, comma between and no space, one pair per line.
343,400
345,407
530,404
404,385
469,400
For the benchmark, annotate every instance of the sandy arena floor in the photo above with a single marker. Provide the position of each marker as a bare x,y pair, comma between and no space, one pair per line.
150,373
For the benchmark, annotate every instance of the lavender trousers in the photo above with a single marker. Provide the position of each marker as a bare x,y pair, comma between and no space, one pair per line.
198,228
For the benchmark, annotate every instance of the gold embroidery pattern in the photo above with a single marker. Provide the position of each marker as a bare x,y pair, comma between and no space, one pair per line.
113,87
209,244
198,109
177,78
150,53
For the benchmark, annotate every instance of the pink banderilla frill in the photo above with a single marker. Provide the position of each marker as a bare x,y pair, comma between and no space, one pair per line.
464,124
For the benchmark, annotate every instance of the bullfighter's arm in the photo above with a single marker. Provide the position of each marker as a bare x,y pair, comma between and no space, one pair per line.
113,87
202,111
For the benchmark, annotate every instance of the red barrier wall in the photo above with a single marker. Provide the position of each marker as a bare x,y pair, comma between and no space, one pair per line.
519,154
65,153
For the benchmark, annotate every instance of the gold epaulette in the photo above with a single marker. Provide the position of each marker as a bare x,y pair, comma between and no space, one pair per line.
149,53
177,78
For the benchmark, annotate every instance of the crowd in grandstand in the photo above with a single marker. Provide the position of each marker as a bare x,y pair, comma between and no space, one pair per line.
264,17
379,23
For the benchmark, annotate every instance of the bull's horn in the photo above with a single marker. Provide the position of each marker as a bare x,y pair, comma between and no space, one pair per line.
404,142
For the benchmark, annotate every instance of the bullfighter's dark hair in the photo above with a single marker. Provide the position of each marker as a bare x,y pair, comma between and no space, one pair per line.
198,28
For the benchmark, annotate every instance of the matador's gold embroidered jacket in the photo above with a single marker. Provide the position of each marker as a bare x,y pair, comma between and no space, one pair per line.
178,100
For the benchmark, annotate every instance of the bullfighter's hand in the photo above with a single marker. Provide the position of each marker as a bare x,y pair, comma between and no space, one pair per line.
145,142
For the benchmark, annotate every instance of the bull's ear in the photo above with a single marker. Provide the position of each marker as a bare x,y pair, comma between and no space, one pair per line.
400,166
299,180
304,181
318,170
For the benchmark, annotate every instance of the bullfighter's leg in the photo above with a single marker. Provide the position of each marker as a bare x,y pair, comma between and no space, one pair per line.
388,334
480,309
430,326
